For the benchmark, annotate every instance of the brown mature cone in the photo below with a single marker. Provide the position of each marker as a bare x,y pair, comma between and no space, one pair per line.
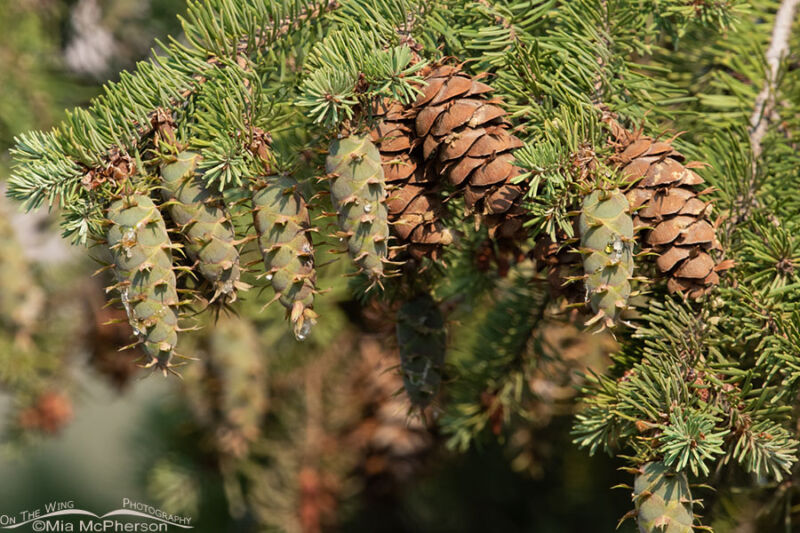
675,220
413,204
466,139
392,446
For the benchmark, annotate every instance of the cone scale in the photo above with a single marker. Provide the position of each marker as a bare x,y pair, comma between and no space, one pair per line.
663,500
606,230
204,224
675,219
142,262
358,193
281,220
414,207
229,388
467,141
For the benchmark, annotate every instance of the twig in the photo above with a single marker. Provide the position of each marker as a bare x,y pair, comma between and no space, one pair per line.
764,108
405,30
778,49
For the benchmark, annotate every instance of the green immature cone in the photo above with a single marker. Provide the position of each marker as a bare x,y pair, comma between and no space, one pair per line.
230,390
663,500
606,230
205,225
422,341
281,220
142,261
21,298
358,193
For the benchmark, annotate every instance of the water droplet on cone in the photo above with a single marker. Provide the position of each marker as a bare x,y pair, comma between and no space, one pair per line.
302,333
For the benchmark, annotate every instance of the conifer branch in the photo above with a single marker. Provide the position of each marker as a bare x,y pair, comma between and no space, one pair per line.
247,45
694,385
50,166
